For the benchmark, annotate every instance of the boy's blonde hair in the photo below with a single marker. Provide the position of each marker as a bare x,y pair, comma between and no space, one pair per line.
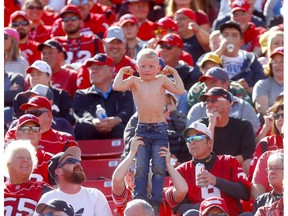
147,52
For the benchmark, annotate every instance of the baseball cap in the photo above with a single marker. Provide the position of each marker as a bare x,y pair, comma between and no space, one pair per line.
210,56
212,202
74,151
216,92
52,44
38,102
127,18
230,24
240,5
166,23
12,33
278,50
27,118
56,204
187,12
70,9
18,13
215,73
172,39
114,32
200,127
43,90
100,59
41,66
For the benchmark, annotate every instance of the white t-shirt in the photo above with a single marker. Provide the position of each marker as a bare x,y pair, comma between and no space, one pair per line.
87,202
233,65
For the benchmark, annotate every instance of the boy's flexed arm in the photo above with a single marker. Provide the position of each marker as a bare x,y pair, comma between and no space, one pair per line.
176,87
123,85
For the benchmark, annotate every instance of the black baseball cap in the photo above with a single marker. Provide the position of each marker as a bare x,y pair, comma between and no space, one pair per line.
216,92
56,204
230,24
53,44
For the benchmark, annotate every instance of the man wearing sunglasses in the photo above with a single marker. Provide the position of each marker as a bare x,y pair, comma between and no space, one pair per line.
221,177
65,168
20,21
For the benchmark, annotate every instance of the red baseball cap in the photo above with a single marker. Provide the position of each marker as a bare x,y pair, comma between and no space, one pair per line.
27,118
100,59
166,23
70,9
187,12
18,13
127,18
38,102
212,202
278,50
172,39
241,5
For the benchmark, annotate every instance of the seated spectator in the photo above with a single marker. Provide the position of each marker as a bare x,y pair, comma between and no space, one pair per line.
55,206
221,177
265,91
123,181
118,105
142,208
213,206
14,62
20,159
65,168
275,172
276,208
39,31
217,77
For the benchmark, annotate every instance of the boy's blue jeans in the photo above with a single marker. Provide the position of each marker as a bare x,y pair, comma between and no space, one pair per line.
155,135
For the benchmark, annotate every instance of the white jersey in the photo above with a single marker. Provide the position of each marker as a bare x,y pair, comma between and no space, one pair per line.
87,202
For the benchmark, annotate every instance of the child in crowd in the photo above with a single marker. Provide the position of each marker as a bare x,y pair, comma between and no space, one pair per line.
149,96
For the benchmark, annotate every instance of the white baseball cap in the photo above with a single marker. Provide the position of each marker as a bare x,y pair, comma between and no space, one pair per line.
198,127
114,32
41,66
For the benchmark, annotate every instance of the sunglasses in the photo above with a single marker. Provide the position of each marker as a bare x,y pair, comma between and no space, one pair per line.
160,31
214,100
69,161
6,37
217,214
277,116
77,2
166,46
37,113
31,7
47,214
22,23
71,18
195,138
26,129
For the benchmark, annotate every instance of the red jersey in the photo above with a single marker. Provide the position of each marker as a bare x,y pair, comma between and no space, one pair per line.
226,167
49,17
30,52
145,31
65,79
251,37
164,210
99,8
80,49
186,57
268,143
40,34
22,199
93,24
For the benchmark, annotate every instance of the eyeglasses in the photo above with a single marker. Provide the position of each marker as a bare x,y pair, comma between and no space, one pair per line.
71,18
274,63
239,14
214,100
276,169
277,116
160,31
47,214
69,161
37,113
6,37
22,23
31,7
217,214
26,129
166,46
77,2
195,138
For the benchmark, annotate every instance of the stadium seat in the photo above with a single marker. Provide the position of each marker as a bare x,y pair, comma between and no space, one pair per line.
99,168
96,149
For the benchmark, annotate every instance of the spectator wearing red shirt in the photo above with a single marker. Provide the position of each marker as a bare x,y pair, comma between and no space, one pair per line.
39,31
20,21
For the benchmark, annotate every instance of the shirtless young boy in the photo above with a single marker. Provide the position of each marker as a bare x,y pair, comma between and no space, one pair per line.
149,96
